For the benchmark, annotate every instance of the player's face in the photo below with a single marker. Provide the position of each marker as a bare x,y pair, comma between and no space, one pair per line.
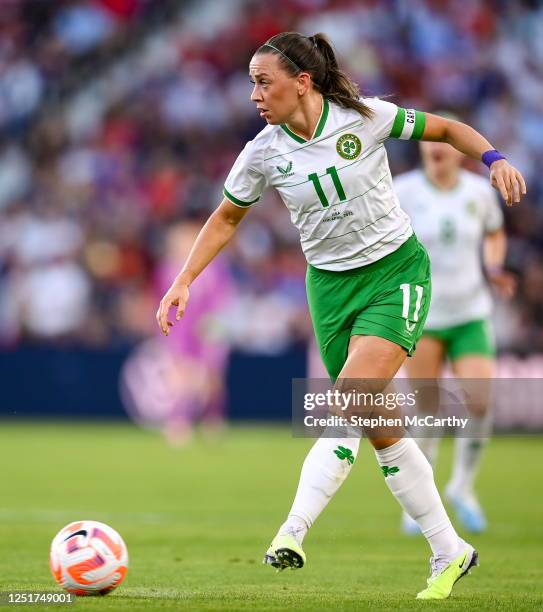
440,157
275,92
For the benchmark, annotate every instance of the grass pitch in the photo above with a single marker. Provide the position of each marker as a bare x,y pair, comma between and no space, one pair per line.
198,520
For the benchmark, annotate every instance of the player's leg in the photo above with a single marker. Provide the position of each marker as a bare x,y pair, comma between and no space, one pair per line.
331,458
397,294
398,313
335,303
470,446
324,470
426,366
412,483
411,480
407,472
473,359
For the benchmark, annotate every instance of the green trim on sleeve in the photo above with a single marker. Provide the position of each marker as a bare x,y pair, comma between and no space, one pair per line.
235,200
398,124
420,124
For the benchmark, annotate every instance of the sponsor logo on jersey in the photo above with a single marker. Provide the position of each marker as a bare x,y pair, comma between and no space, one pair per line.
286,170
348,146
447,232
410,327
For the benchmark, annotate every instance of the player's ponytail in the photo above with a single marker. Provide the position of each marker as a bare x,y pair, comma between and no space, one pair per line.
315,54
335,84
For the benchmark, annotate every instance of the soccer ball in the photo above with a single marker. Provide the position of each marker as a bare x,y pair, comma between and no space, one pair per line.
88,558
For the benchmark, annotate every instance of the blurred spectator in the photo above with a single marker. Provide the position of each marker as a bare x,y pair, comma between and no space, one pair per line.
48,289
124,117
82,26
15,175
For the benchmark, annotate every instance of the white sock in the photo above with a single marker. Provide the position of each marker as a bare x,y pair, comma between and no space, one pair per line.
429,446
468,452
326,466
410,478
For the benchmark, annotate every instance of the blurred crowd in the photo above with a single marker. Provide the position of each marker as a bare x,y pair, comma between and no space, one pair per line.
119,120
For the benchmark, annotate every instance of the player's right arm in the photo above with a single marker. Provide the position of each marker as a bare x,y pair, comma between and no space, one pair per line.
214,236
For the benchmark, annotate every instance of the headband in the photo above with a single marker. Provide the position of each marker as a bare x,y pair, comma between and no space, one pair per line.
284,55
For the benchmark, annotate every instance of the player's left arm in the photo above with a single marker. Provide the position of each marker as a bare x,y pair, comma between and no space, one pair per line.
494,250
503,176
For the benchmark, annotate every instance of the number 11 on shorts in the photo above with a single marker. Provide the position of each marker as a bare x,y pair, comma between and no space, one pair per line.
406,290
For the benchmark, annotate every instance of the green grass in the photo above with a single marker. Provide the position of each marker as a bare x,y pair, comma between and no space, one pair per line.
198,520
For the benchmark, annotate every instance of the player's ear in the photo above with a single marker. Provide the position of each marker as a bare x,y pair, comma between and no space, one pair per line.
303,82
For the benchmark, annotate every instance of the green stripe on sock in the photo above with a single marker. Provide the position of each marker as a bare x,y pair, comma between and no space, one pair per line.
399,121
420,124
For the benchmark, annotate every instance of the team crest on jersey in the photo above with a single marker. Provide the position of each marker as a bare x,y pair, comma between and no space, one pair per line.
349,146
286,170
471,208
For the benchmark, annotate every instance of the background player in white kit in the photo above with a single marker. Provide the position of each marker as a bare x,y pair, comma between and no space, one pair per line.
454,213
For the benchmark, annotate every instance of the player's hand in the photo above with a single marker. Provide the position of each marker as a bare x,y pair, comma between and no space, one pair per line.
508,181
503,282
177,295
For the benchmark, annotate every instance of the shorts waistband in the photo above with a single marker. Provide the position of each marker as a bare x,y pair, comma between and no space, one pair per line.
403,251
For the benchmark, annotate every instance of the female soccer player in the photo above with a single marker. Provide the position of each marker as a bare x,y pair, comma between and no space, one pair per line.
368,278
453,211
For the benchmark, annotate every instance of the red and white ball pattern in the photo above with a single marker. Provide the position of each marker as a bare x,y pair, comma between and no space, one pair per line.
88,558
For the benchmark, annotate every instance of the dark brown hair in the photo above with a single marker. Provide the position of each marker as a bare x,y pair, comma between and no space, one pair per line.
315,55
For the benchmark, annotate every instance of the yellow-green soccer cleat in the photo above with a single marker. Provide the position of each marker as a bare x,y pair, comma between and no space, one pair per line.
284,553
446,573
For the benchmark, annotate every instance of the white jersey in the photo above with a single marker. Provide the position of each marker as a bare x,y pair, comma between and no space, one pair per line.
337,185
451,225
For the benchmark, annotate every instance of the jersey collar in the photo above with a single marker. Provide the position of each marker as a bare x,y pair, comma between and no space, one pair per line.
318,128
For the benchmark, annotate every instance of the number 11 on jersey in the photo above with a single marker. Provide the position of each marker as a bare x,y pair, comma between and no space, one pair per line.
332,171
406,289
